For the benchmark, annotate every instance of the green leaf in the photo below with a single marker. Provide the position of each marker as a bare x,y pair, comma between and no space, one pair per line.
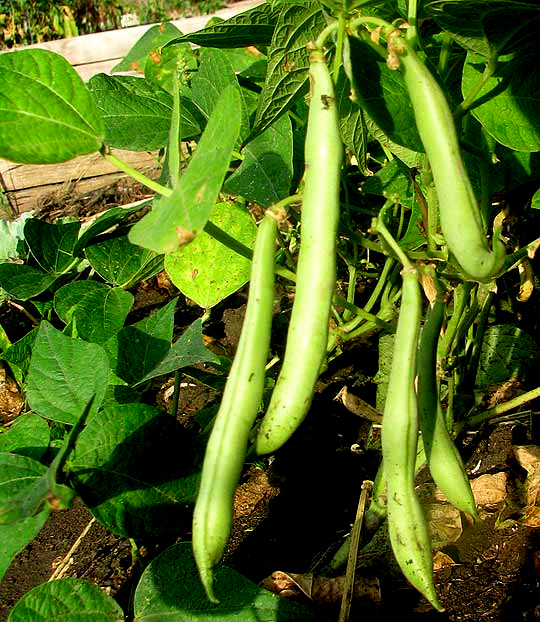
152,40
137,114
71,600
214,77
252,27
265,174
486,27
51,245
507,105
23,487
105,221
28,436
170,589
383,95
47,113
64,374
137,349
207,271
187,350
15,537
392,180
351,122
94,310
18,355
288,62
133,468
535,201
507,353
175,220
121,263
24,282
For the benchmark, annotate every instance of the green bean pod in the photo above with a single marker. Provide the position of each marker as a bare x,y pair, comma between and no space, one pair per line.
407,524
444,461
316,272
227,445
460,218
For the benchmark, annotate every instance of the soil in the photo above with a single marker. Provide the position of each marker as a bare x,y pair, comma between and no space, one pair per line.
293,511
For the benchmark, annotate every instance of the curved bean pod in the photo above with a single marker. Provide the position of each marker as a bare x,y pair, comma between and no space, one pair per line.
316,273
227,445
407,525
444,461
461,222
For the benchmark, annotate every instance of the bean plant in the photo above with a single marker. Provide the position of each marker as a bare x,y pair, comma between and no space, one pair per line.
374,140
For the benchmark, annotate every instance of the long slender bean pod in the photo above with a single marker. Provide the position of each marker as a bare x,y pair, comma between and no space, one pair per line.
406,521
444,461
316,272
460,217
227,445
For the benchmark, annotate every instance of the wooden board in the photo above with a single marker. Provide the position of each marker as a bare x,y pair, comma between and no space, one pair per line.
25,185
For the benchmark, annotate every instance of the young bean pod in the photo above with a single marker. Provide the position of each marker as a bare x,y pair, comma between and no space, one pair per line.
444,461
227,445
461,222
407,525
316,272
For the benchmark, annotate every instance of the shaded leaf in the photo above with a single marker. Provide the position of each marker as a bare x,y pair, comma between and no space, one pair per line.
170,589
28,436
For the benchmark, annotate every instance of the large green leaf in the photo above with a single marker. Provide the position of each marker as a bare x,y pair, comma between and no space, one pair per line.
252,27
121,263
214,76
94,311
137,114
47,113
508,103
23,487
288,61
487,27
170,589
186,351
64,375
207,271
16,536
133,468
24,282
70,600
28,436
52,245
266,172
177,219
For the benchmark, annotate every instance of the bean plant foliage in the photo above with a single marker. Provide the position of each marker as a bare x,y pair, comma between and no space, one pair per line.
436,110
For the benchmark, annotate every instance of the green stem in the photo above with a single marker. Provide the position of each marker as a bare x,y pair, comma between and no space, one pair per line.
500,409
176,394
380,227
473,93
174,134
135,174
412,18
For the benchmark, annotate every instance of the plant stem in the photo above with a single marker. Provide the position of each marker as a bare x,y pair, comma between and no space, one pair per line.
135,174
500,409
412,31
471,96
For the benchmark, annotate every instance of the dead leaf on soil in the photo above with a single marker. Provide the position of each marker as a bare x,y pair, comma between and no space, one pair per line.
11,400
528,456
489,491
322,590
442,560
